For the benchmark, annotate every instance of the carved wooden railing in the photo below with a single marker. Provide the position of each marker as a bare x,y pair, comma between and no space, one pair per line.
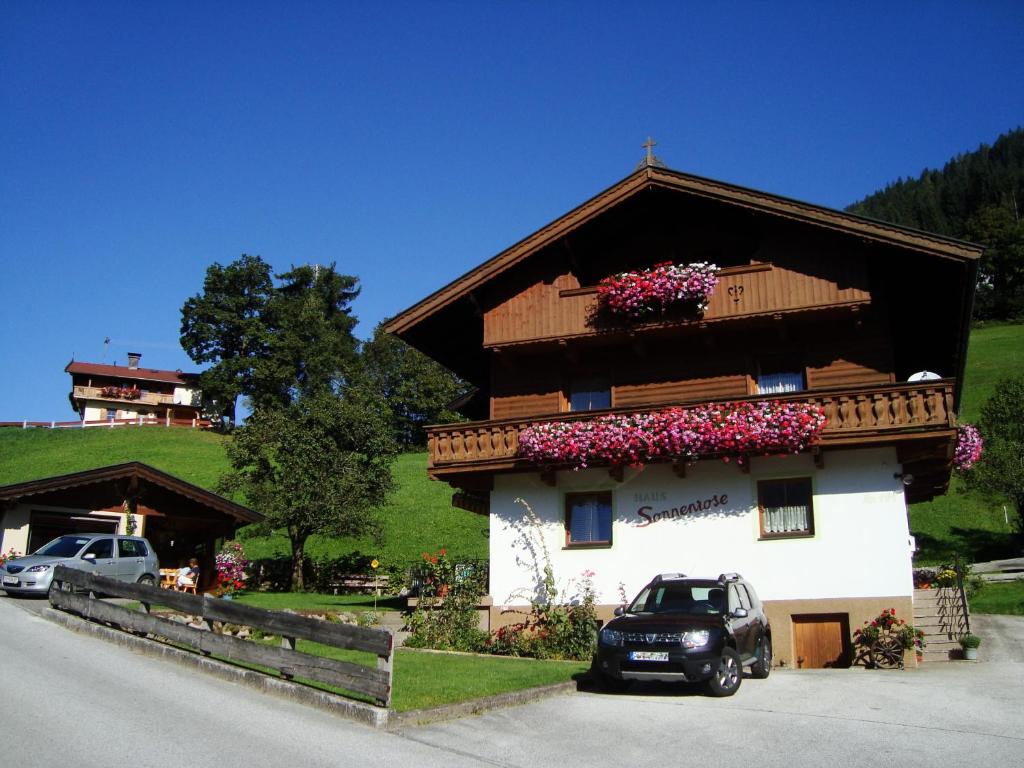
853,415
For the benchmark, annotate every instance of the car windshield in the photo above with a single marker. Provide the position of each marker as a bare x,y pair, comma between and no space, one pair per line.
65,546
666,597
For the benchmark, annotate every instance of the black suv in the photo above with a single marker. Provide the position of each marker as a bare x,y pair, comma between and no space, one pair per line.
680,629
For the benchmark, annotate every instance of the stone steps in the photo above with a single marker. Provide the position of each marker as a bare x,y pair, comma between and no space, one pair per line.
937,613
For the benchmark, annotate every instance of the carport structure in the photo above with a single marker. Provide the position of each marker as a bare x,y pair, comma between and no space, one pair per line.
180,519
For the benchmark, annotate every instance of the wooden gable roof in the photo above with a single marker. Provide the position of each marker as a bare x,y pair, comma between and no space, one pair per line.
135,374
105,487
730,194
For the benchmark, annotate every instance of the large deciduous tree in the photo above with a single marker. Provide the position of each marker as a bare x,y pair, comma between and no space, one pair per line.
418,390
319,465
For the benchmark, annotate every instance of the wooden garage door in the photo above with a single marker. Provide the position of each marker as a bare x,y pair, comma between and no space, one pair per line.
821,640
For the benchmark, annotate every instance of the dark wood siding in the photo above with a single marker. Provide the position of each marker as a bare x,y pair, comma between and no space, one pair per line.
791,281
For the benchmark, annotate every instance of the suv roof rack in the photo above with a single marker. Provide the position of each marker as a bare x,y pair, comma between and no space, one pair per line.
729,577
664,576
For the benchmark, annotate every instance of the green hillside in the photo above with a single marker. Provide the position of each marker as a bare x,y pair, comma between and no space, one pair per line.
193,455
418,517
966,523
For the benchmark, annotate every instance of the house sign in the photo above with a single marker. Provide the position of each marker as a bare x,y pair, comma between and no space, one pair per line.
648,516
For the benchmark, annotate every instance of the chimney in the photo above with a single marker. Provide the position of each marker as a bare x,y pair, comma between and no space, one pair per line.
133,359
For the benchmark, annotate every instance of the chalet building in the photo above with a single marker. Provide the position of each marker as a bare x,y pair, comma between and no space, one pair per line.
818,322
115,392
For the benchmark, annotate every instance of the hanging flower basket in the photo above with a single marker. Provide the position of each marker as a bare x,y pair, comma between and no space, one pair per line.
715,429
649,293
969,446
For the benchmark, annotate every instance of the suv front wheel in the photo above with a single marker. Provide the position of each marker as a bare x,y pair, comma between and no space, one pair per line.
727,678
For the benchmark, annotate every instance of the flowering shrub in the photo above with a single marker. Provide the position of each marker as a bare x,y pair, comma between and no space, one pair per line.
436,574
637,295
446,613
887,623
945,578
704,430
231,564
968,447
554,629
924,577
124,393
10,555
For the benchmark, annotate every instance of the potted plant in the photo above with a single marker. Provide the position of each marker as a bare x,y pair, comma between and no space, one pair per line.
970,645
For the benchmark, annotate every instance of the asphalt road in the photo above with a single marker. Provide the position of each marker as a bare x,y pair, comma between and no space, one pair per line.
69,698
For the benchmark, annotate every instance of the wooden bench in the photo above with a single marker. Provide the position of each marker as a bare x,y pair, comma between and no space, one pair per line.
362,582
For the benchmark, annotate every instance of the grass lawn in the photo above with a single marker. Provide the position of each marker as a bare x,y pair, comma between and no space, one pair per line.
314,601
1005,597
423,680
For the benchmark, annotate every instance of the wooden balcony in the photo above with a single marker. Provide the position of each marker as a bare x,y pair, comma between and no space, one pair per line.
894,414
96,393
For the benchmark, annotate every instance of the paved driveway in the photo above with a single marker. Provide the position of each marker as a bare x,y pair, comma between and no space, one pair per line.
74,698
945,714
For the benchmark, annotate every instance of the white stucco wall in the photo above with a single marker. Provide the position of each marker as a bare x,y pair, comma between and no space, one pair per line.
860,546
15,530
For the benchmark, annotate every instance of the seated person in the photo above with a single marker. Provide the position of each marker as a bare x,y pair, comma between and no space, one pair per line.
189,575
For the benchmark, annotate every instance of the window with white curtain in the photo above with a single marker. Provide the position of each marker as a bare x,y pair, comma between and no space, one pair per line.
785,507
776,383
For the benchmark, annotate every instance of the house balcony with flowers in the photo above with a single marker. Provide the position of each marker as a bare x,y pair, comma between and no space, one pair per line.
917,417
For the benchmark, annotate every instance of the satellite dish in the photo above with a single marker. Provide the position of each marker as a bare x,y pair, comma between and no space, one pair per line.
924,376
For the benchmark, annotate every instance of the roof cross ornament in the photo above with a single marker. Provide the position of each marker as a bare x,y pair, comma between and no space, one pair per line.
651,161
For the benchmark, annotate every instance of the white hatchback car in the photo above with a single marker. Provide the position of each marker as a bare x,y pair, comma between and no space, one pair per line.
126,558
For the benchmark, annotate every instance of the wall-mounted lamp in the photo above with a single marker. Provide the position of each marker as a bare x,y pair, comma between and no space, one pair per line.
905,477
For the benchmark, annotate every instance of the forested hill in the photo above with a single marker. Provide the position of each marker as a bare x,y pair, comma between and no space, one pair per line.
976,196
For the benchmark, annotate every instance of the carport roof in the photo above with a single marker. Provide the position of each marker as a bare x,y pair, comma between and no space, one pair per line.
108,486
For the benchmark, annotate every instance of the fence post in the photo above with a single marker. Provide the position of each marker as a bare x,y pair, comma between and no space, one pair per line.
387,664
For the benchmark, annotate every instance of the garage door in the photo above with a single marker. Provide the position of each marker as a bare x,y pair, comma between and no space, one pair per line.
46,526
821,640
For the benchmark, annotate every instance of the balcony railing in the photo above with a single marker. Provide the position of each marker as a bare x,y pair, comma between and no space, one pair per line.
854,416
146,398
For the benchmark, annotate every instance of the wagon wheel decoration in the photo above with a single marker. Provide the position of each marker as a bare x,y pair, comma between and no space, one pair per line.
887,652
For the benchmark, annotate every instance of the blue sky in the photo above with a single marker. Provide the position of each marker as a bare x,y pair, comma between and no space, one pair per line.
408,142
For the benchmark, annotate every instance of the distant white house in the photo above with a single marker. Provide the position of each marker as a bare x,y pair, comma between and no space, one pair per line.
102,392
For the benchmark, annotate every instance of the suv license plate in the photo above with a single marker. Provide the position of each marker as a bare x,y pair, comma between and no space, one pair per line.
648,655
12,580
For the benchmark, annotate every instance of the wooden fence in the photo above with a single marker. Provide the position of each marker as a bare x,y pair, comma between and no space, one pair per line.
289,662
137,421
